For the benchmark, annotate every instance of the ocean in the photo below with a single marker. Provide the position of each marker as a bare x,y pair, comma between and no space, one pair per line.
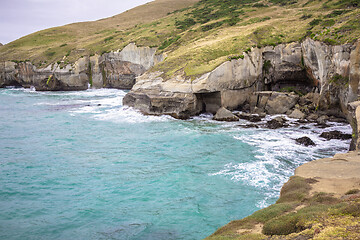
79,165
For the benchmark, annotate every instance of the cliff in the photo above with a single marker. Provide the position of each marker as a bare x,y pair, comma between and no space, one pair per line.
309,66
110,70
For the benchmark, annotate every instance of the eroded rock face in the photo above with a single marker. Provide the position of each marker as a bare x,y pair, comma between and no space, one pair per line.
332,68
110,70
306,66
272,102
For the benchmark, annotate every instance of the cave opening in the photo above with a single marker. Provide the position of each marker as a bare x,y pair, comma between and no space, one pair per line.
298,82
209,102
11,84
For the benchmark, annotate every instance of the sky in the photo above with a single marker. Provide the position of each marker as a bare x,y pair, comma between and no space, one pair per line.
22,17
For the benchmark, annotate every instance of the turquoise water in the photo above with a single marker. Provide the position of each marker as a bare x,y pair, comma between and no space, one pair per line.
78,165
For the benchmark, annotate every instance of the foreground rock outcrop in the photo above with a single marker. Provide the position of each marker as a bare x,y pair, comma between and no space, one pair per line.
110,70
310,66
322,201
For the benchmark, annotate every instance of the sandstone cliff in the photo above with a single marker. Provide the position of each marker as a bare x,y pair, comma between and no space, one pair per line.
308,66
111,70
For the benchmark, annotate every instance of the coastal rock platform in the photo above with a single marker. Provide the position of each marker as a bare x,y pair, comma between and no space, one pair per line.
335,175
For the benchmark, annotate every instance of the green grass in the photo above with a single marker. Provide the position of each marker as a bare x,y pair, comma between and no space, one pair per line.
197,36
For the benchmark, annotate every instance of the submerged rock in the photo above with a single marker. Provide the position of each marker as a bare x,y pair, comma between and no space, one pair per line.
225,115
306,141
335,135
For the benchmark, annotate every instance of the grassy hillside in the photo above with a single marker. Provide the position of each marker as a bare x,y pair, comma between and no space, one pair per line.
197,35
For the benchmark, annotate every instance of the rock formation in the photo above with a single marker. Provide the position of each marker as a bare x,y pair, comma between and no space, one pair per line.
307,67
110,70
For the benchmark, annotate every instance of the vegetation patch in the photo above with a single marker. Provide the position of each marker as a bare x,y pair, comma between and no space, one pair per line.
168,42
209,32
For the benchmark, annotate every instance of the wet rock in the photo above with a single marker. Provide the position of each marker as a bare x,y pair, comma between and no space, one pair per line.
249,117
312,117
335,135
337,119
306,141
324,125
225,115
297,114
249,126
322,120
277,122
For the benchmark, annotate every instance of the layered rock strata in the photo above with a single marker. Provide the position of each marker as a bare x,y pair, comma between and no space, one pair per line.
110,70
310,66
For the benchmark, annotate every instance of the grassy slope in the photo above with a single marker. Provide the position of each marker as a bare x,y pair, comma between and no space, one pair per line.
197,38
72,41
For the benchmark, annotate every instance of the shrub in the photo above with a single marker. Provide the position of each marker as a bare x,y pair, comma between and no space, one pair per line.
294,222
315,22
168,42
352,209
267,65
232,21
211,26
329,41
352,191
295,190
336,13
63,45
283,225
108,39
236,57
338,79
271,212
283,2
185,24
259,5
328,23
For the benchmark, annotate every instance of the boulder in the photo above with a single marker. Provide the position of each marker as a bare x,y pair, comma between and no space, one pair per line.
177,105
249,117
277,122
335,135
312,117
297,114
225,115
306,141
322,120
280,103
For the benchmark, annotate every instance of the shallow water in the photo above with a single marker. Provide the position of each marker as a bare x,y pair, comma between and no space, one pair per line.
79,165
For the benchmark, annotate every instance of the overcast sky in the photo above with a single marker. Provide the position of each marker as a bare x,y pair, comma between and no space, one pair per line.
22,17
